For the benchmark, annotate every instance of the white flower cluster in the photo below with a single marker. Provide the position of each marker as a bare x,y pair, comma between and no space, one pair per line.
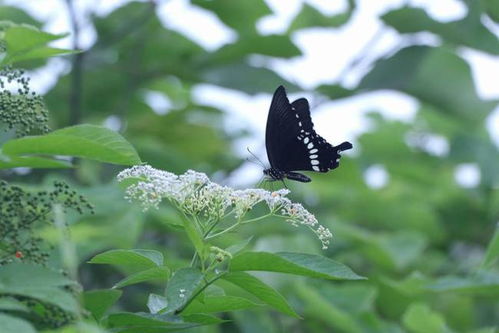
196,195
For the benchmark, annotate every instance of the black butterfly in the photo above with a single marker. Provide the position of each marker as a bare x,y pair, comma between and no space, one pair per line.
292,143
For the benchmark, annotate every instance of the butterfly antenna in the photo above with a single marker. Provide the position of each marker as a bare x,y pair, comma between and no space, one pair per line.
261,163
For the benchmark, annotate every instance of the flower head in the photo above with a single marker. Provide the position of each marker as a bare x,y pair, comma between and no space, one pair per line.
195,195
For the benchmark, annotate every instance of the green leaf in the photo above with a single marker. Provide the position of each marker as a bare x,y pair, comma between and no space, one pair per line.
194,235
12,304
239,15
9,162
17,274
203,319
181,287
126,322
14,324
25,42
214,304
37,282
469,31
492,254
155,273
272,45
436,76
229,76
492,9
310,17
99,301
293,263
317,305
238,247
136,260
85,141
261,291
419,318
483,283
42,53
335,91
156,303
17,15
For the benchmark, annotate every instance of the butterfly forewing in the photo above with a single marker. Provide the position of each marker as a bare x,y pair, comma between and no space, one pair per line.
291,141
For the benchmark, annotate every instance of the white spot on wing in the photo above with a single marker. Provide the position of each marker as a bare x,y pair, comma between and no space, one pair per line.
314,162
313,156
313,151
316,168
299,123
297,116
306,140
310,145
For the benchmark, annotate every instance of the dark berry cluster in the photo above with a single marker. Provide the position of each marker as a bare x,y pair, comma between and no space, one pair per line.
21,210
20,108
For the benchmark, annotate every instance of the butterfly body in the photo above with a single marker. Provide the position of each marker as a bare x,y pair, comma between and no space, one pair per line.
276,174
292,143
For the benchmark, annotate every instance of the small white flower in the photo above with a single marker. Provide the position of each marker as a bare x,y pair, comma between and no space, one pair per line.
195,195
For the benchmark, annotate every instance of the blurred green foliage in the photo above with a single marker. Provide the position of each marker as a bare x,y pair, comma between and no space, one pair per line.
428,246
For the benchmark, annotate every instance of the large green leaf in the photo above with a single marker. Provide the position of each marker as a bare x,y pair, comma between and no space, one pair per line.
469,31
99,301
436,76
37,282
261,291
151,323
9,162
214,304
293,263
182,287
14,324
135,260
86,141
156,273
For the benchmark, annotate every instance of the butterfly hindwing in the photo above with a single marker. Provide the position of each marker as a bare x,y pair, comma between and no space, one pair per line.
291,141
